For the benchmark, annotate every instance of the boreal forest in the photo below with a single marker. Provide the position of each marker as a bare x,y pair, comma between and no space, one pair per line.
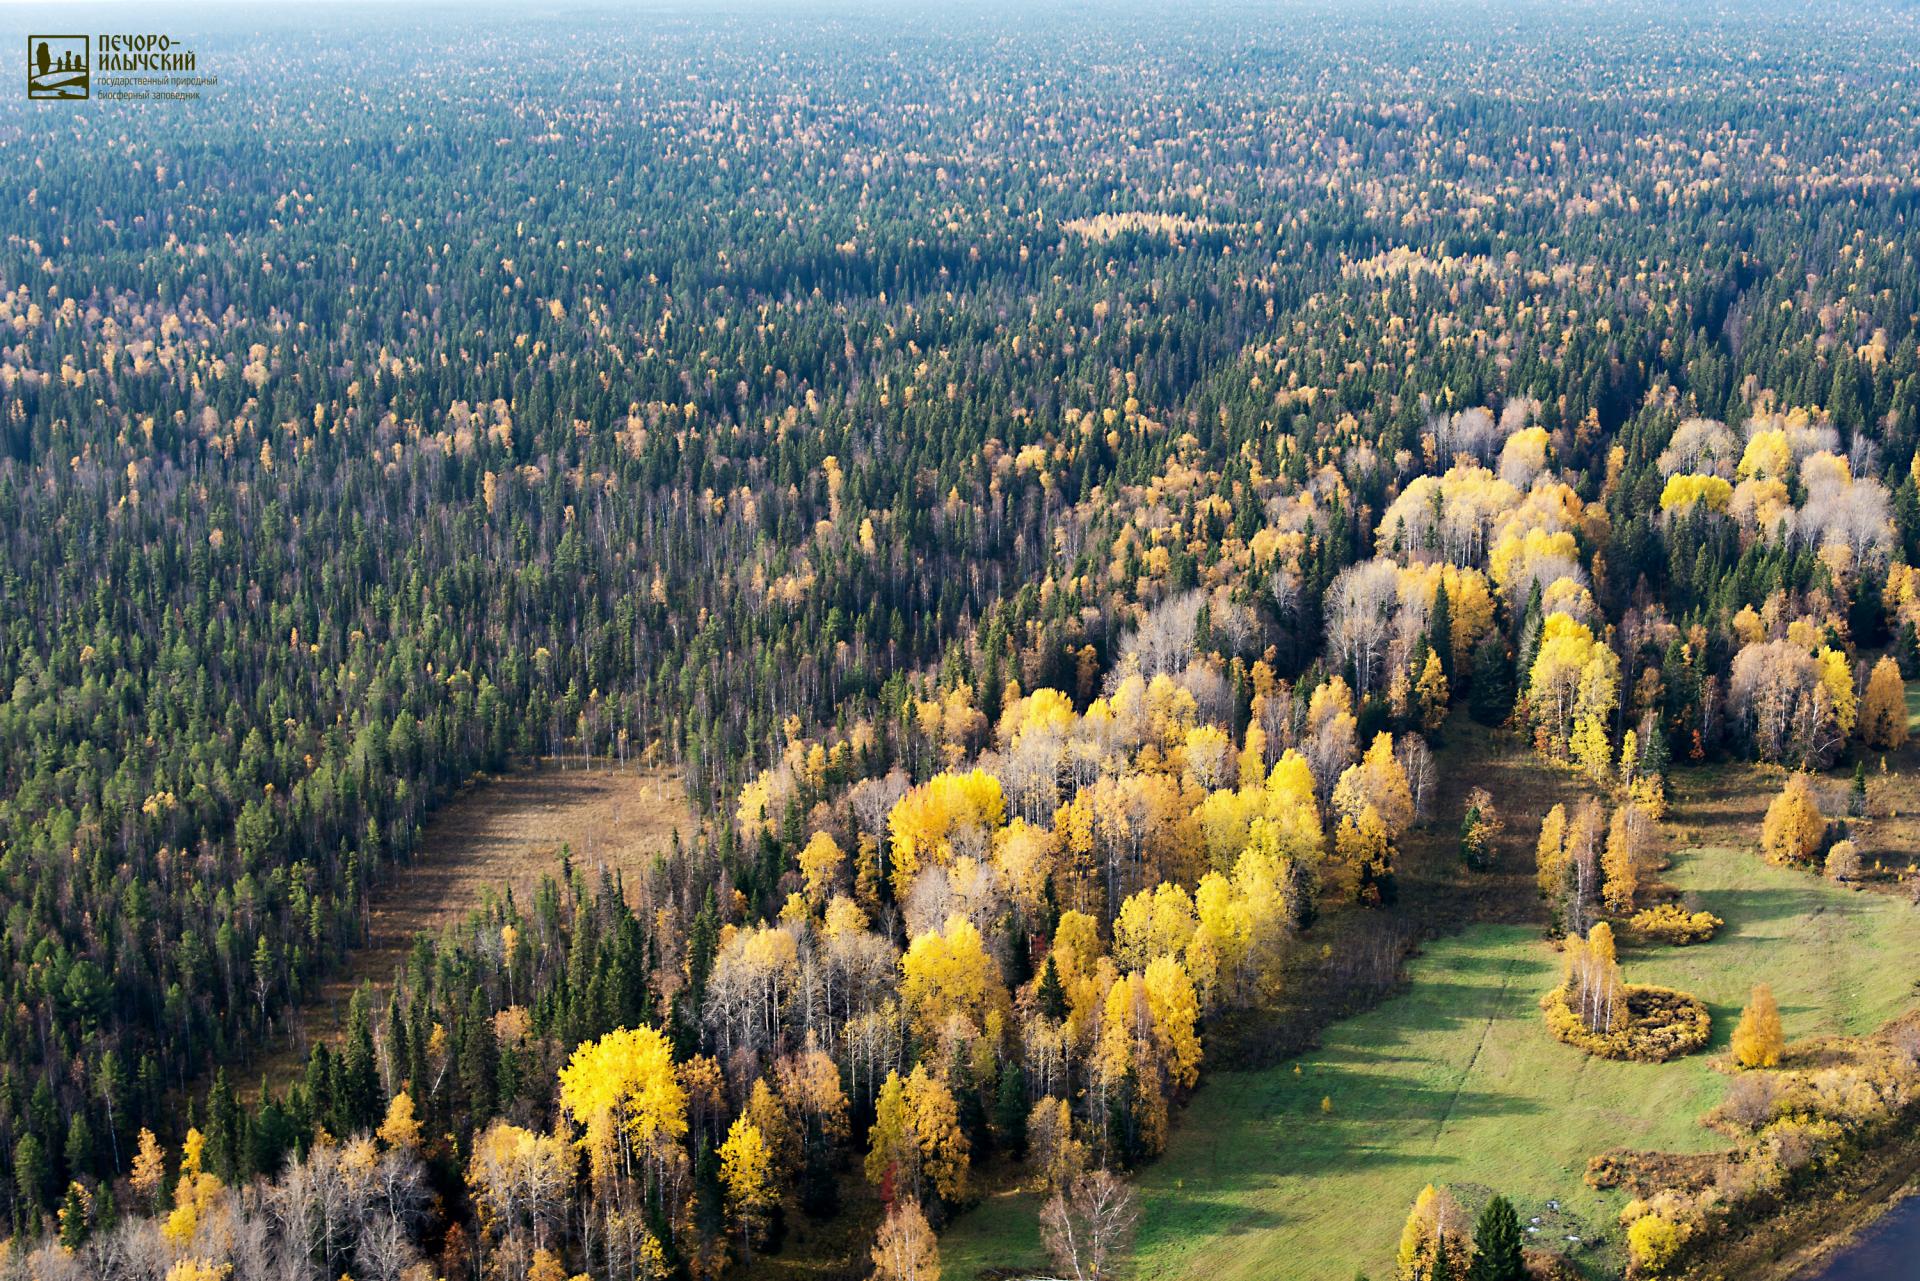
857,640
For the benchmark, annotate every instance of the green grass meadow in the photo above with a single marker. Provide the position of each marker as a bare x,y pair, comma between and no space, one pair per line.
1456,1081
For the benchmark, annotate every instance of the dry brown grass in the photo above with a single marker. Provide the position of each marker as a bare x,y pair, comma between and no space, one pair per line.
500,833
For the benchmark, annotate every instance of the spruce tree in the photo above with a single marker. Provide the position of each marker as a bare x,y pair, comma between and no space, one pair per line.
357,1092
223,1156
1010,1110
1053,995
1490,697
479,1059
1497,1241
73,1218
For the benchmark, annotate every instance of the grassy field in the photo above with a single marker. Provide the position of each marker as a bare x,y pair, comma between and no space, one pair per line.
1456,1081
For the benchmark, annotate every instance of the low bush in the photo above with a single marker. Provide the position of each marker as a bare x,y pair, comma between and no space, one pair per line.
1794,1130
1672,924
1661,1024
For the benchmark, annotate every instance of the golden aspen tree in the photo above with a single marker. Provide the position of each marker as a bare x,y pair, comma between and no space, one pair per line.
944,1150
1883,717
746,1172
924,822
820,863
198,1270
1550,853
949,973
1599,694
1684,492
1594,988
1836,674
1759,1038
1432,692
843,916
149,1166
193,1196
1365,845
1379,781
624,1091
1208,758
916,1139
768,1112
1253,755
1151,924
1053,1153
1176,1015
399,1129
1620,865
1793,829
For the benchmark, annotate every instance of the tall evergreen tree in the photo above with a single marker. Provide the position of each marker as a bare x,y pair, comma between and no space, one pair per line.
1498,1252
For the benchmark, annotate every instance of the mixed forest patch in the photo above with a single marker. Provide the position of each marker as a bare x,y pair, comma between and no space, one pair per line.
1121,532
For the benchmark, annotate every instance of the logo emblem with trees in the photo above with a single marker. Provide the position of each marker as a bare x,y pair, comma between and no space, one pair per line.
58,67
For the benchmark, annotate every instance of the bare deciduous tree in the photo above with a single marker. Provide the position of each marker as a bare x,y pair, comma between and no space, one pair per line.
1088,1226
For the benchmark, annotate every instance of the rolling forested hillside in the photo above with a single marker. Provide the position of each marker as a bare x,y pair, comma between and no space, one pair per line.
1060,491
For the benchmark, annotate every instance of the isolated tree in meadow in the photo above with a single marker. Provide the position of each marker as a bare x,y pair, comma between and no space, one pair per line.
1759,1038
1087,1226
1478,827
1793,829
1498,1252
1843,861
1883,717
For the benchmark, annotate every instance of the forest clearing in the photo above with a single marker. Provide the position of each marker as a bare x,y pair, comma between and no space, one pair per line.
500,835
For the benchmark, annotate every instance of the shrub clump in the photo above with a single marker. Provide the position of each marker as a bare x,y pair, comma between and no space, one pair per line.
1661,1024
1672,924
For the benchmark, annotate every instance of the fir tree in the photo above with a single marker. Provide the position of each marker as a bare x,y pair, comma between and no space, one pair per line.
1053,995
479,1058
223,1154
73,1218
1490,697
1497,1243
1010,1110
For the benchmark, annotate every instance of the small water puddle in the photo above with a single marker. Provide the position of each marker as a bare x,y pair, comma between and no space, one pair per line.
1887,1251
